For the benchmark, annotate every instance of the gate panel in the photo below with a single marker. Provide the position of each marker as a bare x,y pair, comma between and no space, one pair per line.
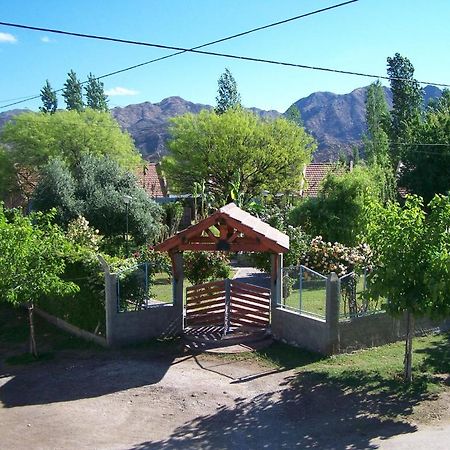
205,304
249,305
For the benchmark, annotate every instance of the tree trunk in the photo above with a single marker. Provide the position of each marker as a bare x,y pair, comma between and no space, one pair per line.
33,348
408,347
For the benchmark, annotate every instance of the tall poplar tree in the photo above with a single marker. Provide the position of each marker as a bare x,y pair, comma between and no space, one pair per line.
49,100
95,94
227,94
73,93
407,98
376,141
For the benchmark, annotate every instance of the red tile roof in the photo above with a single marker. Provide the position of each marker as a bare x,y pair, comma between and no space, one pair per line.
314,174
151,181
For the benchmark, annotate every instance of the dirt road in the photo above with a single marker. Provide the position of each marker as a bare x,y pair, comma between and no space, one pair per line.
106,400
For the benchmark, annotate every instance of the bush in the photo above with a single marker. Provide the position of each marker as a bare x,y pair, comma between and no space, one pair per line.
200,267
338,213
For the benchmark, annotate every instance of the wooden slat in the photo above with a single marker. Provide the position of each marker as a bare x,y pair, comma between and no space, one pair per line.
262,297
241,315
248,286
251,297
206,293
247,310
244,304
248,294
216,320
256,301
218,296
248,321
196,303
204,285
209,310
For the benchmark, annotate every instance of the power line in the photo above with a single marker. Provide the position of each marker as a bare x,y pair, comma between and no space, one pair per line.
218,54
244,33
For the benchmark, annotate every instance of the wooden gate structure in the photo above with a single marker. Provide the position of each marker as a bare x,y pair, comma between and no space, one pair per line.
233,304
229,304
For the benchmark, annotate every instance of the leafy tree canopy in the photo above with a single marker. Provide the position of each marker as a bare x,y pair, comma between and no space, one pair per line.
31,261
95,94
338,213
95,188
49,100
425,169
411,252
227,95
236,152
73,93
407,98
31,139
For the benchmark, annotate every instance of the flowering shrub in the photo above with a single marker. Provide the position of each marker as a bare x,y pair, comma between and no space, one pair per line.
327,257
81,234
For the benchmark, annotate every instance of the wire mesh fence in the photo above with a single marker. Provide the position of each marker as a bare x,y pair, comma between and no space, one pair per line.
353,299
139,287
304,291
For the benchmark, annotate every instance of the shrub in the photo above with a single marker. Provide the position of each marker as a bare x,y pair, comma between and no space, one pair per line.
200,267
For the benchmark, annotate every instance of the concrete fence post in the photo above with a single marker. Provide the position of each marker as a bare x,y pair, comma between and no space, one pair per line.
111,300
178,284
332,313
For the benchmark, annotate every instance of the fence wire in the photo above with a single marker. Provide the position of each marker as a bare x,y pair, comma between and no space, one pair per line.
354,301
139,288
304,291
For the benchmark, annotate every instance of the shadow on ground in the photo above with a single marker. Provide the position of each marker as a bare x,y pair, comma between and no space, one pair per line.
314,410
59,381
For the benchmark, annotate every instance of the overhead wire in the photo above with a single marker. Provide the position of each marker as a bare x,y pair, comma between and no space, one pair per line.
178,52
223,55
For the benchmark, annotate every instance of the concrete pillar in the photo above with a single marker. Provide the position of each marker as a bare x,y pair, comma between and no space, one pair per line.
111,300
178,283
111,306
276,283
332,313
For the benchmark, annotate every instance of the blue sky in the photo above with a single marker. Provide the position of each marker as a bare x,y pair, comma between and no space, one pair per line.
357,37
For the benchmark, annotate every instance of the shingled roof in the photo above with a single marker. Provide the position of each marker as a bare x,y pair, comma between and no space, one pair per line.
236,230
151,181
314,174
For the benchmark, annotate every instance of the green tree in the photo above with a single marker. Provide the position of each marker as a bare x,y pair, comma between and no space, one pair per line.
31,262
411,252
228,95
293,114
425,168
376,141
211,149
338,213
73,93
407,98
95,188
49,100
95,94
32,139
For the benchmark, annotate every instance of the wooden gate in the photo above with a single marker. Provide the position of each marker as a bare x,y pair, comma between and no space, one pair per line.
229,304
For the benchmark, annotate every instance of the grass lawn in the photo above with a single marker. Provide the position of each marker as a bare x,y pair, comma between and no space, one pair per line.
313,297
375,369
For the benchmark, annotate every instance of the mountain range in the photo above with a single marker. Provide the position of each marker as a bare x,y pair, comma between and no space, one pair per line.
337,121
